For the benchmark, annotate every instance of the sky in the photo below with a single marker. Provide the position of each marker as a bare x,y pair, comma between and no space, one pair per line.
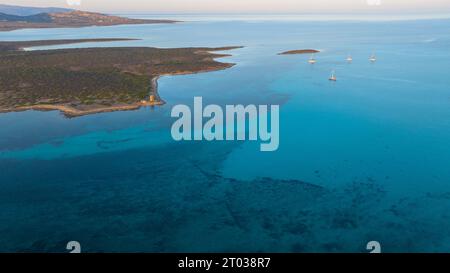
244,6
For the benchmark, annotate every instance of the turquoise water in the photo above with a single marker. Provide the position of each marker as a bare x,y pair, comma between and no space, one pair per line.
362,159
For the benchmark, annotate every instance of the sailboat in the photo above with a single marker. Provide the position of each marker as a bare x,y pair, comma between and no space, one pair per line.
373,58
349,58
333,76
312,60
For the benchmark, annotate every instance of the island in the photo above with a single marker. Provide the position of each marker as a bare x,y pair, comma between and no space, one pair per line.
300,51
68,19
84,81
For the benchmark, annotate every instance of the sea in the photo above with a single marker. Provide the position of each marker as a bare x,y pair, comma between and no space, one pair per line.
365,158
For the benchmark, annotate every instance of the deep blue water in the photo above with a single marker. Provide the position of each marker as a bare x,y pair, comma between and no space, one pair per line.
365,158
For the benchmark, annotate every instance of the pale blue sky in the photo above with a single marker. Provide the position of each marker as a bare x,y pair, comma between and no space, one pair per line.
246,6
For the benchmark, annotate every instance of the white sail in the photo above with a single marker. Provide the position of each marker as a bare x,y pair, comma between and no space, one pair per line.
333,76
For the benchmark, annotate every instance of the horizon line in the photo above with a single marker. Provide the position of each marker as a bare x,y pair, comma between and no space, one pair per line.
361,11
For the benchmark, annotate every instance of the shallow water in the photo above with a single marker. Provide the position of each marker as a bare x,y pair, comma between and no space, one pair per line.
362,159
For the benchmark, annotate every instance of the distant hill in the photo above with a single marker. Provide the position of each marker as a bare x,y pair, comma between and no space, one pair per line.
71,18
79,18
27,11
37,18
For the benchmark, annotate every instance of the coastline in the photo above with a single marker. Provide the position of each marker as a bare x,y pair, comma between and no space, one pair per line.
75,19
72,112
24,45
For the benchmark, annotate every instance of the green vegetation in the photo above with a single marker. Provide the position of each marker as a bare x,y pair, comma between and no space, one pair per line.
90,78
36,18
